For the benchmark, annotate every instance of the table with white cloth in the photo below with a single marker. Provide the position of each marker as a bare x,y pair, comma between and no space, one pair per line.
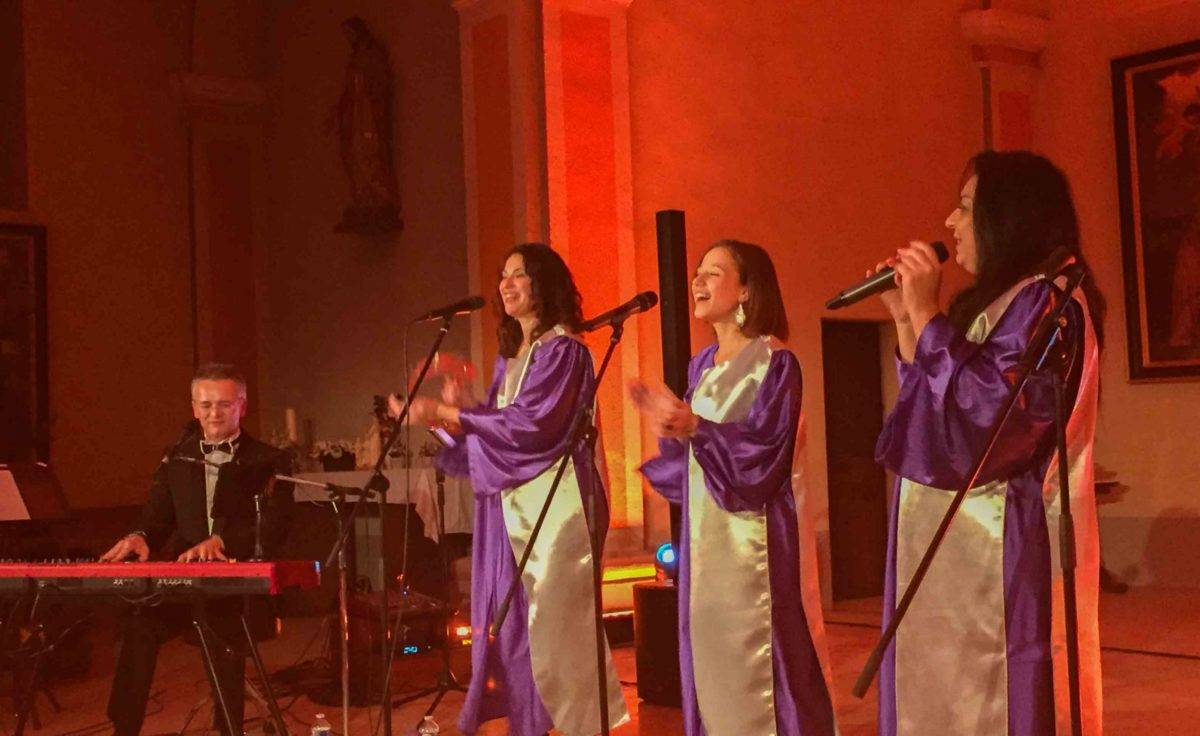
416,485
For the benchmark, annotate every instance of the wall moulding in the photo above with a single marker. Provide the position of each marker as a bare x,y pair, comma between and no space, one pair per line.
996,28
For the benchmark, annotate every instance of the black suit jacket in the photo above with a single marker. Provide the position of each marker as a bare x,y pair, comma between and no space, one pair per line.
176,518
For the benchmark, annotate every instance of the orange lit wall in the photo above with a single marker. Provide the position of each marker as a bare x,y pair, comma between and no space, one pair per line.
589,204
1147,432
492,149
231,289
107,160
14,181
830,133
1015,121
590,209
546,115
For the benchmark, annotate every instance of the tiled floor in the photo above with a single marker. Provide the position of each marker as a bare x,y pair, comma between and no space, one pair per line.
1144,694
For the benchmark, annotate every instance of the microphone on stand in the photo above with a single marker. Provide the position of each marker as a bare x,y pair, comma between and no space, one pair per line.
462,306
640,303
877,283
191,431
1060,261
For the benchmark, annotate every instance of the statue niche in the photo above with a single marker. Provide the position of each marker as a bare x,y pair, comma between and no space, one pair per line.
362,119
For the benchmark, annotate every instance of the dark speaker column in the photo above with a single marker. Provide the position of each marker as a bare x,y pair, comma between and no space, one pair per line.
675,312
655,605
674,305
674,309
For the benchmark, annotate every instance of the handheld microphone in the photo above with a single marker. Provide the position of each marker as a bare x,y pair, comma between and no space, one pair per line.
880,282
462,306
640,303
443,437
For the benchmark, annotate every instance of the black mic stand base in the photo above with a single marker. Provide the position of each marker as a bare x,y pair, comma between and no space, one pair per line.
446,680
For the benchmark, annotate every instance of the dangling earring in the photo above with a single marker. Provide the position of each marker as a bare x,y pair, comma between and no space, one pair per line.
740,317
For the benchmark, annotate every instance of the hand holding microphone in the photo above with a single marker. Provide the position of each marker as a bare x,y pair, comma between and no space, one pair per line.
885,276
919,274
917,270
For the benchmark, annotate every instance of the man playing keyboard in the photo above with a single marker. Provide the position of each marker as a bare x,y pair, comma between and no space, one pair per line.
202,513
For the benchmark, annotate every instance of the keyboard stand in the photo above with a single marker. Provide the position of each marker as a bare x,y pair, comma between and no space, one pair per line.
205,632
25,698
268,693
200,621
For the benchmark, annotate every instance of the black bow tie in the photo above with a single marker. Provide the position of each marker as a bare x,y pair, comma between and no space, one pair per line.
208,448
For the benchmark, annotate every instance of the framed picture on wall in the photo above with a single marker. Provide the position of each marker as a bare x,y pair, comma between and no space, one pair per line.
1156,104
24,401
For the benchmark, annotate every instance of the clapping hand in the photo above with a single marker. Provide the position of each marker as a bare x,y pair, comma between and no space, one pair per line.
422,411
668,416
458,394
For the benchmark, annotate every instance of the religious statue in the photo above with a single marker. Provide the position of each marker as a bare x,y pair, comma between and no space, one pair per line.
363,121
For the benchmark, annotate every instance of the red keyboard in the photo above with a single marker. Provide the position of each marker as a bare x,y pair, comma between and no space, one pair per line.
144,578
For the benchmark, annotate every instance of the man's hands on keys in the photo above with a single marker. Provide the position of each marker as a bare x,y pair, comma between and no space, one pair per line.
132,544
209,550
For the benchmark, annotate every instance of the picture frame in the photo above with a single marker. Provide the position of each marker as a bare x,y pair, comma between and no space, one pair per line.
1156,106
24,345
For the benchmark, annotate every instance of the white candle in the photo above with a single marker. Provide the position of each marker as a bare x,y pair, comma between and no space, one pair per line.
289,421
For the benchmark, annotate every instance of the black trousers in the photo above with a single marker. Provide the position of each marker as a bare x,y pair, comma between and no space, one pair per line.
143,630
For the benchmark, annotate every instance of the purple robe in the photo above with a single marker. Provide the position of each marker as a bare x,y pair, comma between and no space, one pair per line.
503,448
949,396
748,467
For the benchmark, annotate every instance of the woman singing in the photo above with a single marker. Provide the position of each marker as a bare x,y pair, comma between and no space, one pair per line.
982,649
751,636
540,669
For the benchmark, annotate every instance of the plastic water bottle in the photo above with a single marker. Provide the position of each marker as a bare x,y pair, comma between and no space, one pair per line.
428,727
321,727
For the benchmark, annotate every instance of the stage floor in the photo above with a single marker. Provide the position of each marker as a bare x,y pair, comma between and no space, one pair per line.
1151,666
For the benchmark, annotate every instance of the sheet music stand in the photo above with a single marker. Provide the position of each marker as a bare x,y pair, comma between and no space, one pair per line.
30,492
30,497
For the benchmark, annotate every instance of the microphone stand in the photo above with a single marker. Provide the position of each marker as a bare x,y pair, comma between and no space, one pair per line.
583,434
378,482
345,524
1063,361
446,681
337,494
1037,353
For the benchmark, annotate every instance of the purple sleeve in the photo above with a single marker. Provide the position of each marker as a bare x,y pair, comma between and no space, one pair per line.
746,463
510,446
667,472
954,390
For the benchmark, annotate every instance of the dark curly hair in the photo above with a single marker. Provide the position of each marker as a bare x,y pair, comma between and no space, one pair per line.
1021,213
765,314
555,296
